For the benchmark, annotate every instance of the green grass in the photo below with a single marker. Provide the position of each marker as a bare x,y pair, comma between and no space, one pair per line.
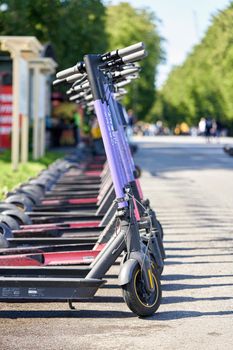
10,179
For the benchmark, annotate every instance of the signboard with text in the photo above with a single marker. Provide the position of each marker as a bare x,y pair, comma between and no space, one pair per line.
5,115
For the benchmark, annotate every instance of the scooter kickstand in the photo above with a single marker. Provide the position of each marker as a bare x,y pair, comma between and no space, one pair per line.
71,306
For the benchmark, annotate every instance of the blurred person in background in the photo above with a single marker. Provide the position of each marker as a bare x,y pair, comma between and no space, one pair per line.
159,126
208,128
131,122
202,126
184,129
98,146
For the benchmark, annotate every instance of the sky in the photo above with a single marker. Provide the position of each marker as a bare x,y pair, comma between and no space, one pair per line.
182,24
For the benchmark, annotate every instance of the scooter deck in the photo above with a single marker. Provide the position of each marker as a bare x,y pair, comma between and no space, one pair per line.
51,255
68,207
46,248
47,218
45,271
34,241
58,232
47,288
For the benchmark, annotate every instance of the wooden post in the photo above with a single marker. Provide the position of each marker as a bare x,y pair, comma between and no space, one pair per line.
15,115
43,136
24,138
36,114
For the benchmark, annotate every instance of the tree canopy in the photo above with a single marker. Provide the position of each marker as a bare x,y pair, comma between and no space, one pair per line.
126,25
203,85
77,27
73,27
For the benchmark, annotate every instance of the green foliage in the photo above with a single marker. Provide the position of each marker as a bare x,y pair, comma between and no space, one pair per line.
74,27
27,17
126,25
82,31
77,27
203,85
10,179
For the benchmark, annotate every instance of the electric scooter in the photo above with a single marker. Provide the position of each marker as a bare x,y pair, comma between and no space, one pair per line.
138,276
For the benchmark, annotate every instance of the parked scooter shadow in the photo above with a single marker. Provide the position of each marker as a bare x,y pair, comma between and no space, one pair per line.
12,314
180,299
177,277
179,314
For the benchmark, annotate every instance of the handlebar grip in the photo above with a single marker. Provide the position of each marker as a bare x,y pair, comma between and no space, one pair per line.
81,86
74,77
89,97
136,56
75,97
120,93
131,49
129,71
125,72
70,91
67,72
58,81
123,83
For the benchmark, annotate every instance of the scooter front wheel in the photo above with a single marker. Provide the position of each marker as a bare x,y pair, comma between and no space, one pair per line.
137,297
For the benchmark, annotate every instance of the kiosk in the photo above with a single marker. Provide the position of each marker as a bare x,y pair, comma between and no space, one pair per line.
30,91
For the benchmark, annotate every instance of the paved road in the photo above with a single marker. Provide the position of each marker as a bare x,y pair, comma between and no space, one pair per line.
190,184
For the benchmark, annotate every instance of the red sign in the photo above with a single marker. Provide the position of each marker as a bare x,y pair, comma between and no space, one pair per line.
5,115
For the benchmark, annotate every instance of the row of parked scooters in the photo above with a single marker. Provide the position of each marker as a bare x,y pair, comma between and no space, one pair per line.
62,231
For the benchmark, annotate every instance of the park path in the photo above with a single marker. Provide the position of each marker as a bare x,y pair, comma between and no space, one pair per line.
190,185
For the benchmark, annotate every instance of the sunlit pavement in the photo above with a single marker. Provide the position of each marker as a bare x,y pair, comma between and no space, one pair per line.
190,184
185,140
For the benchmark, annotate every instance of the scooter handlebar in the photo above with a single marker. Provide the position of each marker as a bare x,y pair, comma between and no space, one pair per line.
136,56
78,68
58,81
125,72
67,72
131,49
74,77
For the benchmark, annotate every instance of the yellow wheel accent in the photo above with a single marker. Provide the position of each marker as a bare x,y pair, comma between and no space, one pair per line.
136,293
150,278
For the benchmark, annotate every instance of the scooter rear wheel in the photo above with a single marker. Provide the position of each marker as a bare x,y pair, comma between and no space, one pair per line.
137,298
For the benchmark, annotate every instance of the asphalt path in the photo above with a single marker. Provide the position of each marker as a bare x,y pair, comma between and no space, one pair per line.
190,184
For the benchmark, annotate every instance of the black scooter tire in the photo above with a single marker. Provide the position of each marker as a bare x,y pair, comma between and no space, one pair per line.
34,188
160,229
5,231
30,194
7,206
19,216
20,201
9,221
138,171
134,294
3,236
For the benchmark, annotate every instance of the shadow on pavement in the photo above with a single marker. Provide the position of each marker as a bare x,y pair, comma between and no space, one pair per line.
177,256
185,157
179,314
184,277
9,314
197,262
180,286
179,299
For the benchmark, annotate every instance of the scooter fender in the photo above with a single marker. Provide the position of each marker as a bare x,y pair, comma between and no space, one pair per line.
126,271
